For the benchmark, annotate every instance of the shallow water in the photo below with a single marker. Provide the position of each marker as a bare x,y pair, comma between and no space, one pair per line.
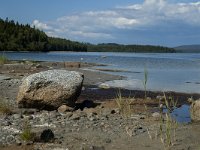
166,72
181,114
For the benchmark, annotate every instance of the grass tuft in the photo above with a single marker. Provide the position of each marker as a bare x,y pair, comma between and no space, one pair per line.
3,59
145,82
5,107
124,105
168,126
27,135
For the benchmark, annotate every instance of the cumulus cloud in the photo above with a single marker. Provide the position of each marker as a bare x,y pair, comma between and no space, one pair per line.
106,23
41,25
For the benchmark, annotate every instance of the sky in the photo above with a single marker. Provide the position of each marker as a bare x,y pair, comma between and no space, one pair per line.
153,22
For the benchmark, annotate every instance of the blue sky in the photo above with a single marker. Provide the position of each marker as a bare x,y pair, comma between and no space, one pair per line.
156,22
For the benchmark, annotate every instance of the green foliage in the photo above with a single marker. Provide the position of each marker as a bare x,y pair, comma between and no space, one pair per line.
5,107
112,47
26,134
56,44
124,105
168,126
18,37
3,59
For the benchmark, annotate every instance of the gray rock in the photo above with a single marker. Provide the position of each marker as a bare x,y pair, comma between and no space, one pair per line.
156,115
195,110
17,116
104,86
47,135
50,89
62,109
92,116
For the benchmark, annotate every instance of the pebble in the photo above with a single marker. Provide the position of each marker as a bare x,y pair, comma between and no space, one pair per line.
75,117
17,116
156,115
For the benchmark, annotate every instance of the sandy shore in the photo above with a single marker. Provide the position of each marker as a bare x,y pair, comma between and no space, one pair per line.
97,128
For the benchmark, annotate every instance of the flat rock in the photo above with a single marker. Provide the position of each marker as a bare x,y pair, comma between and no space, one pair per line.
50,89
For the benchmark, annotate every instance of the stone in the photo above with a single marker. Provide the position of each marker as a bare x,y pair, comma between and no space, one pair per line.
104,86
50,89
68,114
64,108
156,115
17,116
92,116
72,64
195,110
47,135
75,117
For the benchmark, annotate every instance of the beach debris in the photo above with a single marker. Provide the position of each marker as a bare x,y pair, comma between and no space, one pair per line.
50,89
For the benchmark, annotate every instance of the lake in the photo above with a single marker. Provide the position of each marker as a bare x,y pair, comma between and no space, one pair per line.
178,72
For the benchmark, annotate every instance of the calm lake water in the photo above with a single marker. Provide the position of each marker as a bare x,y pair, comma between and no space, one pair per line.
178,72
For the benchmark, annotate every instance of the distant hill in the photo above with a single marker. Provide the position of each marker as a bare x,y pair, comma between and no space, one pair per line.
19,37
114,47
188,49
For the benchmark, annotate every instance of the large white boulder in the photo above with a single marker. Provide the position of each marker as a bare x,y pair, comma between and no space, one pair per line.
50,89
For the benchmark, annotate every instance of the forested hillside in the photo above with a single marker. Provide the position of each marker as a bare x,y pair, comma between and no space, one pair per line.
19,37
113,47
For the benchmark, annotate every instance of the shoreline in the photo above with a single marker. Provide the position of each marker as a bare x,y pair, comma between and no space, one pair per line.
99,125
111,93
21,68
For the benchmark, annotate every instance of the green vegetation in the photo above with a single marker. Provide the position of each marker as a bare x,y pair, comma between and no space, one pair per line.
5,107
145,82
3,59
113,47
124,104
18,37
168,125
26,134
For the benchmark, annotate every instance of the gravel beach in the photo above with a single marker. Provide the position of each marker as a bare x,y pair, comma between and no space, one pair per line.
96,123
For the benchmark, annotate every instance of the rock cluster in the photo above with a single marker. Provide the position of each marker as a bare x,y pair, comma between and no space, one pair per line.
65,128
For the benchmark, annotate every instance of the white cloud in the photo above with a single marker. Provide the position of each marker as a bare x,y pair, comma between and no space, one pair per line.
104,23
90,34
41,25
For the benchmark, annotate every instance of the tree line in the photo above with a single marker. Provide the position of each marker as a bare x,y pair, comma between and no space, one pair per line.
113,47
20,37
